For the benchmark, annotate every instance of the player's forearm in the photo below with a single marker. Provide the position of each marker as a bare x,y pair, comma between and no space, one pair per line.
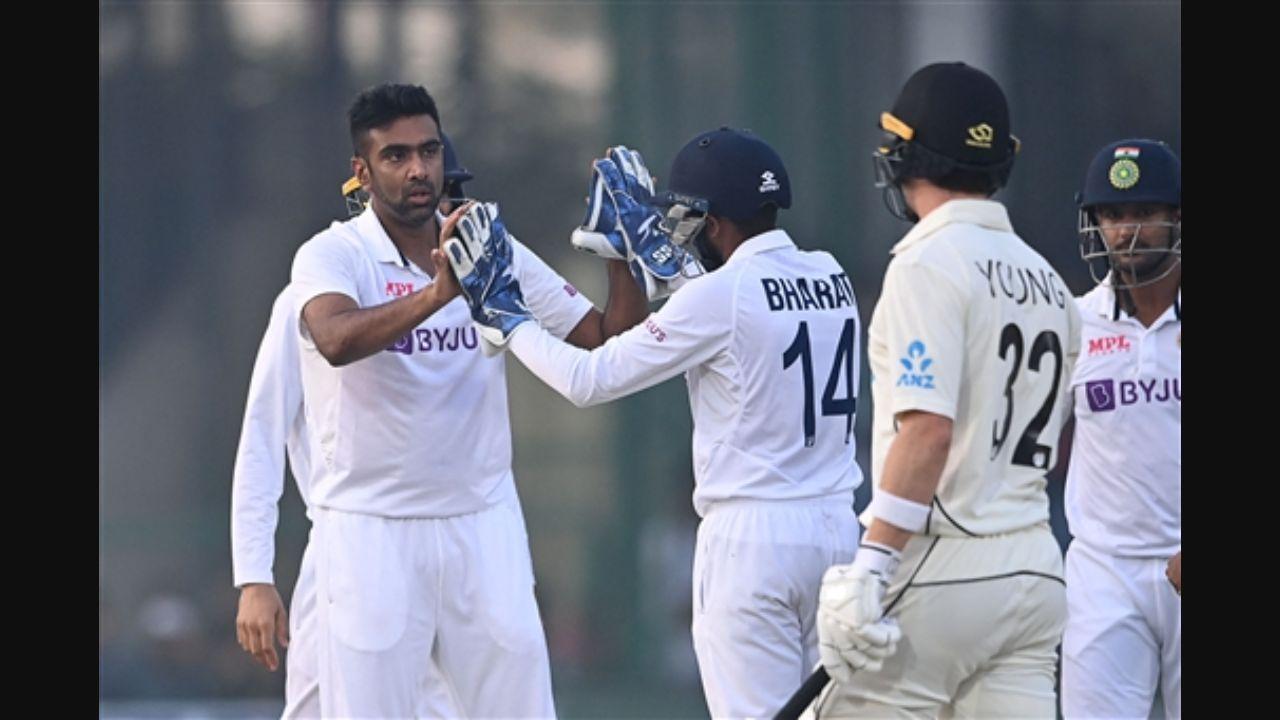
586,378
560,365
356,333
627,305
912,469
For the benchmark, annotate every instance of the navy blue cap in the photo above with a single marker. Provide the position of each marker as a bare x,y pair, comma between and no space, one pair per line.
735,171
453,169
1133,171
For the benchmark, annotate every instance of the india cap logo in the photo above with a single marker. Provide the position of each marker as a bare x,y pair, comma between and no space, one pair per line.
1124,174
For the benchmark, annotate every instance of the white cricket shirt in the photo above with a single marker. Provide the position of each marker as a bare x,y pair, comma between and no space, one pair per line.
420,429
1124,485
273,422
770,342
974,325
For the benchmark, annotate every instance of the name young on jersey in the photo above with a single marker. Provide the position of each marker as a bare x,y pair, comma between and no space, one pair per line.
1023,284
827,293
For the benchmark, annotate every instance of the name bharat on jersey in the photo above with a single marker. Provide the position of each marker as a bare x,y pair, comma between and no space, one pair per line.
830,293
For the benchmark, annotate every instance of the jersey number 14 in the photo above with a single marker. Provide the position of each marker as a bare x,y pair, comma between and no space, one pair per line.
841,366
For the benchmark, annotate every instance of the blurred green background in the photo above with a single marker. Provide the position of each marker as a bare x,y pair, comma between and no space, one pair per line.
223,145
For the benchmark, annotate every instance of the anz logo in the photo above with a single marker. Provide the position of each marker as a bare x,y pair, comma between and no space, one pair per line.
916,365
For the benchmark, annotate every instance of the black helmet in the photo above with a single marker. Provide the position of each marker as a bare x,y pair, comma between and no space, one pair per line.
949,116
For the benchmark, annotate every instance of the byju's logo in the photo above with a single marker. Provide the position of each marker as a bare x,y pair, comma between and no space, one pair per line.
1102,395
1106,395
916,364
768,182
436,340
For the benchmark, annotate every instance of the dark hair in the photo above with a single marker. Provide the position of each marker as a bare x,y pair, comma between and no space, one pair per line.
969,181
763,221
381,105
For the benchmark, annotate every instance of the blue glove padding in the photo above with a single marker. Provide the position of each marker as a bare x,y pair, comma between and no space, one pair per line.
639,183
639,221
621,222
600,233
481,256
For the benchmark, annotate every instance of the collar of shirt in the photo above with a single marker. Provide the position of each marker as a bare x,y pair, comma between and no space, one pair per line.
763,242
378,243
1102,301
984,213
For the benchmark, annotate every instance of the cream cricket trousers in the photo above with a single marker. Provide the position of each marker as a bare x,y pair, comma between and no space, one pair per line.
981,618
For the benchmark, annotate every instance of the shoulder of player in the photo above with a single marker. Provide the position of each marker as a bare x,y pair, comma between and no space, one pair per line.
1097,302
524,259
943,260
285,300
339,235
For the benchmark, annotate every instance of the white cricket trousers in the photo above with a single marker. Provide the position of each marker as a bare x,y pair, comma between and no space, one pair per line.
756,575
302,672
399,598
981,619
1123,643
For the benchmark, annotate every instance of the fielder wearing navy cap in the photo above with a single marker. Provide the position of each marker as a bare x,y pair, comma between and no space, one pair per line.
1136,170
735,171
728,174
1127,174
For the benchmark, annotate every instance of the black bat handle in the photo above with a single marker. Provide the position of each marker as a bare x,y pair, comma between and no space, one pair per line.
801,698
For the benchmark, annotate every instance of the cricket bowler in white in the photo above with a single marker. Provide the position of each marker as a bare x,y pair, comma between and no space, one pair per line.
422,557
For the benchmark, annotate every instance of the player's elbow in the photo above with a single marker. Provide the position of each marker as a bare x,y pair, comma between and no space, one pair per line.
931,433
336,351
583,398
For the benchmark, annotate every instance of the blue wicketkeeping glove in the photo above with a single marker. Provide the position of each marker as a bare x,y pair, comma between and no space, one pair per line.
621,222
480,253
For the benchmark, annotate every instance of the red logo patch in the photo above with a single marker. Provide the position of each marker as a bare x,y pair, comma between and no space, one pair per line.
1109,345
399,289
654,330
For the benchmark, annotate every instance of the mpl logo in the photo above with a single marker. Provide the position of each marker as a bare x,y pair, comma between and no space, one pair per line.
1107,395
1109,345
399,289
916,364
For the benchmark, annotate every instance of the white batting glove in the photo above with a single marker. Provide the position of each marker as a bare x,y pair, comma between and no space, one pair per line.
853,633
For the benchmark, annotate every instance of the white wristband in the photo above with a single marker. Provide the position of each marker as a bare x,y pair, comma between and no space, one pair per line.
900,512
879,559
